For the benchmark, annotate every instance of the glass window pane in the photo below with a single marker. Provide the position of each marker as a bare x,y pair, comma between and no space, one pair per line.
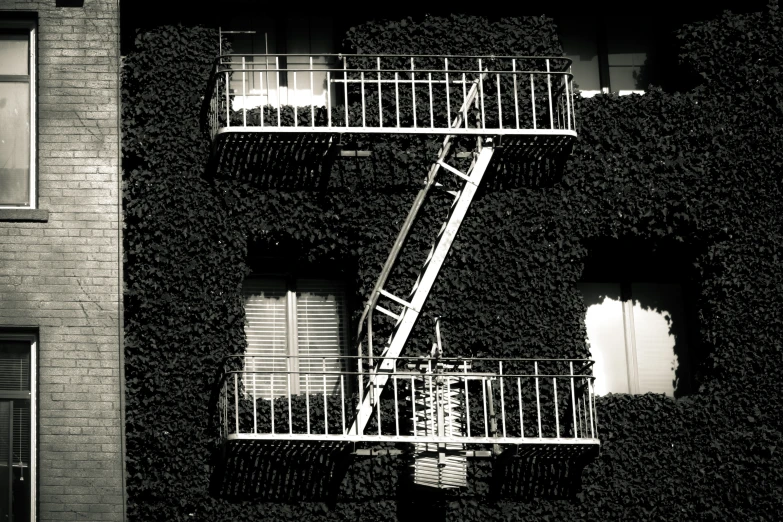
14,53
14,143
606,335
266,331
14,365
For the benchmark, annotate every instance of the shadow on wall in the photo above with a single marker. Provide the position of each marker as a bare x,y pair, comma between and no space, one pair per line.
279,471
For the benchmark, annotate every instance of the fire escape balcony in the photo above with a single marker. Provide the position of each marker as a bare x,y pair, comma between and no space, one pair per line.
480,406
310,104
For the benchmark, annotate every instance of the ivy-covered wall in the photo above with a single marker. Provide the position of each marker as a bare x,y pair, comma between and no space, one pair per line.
697,173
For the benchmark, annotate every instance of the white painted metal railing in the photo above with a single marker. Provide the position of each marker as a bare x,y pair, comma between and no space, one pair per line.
389,94
453,400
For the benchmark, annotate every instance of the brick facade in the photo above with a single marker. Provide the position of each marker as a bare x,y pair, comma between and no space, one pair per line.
60,264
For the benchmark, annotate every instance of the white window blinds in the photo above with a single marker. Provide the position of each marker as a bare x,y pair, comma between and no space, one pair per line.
296,329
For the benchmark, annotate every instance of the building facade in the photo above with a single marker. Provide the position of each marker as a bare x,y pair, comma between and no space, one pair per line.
60,262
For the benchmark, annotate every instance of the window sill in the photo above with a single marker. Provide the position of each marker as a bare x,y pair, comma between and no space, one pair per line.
35,215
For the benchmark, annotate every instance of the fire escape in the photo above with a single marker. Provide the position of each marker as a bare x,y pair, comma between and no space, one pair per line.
263,110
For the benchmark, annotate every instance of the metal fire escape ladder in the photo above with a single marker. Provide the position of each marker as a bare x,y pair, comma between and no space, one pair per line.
379,376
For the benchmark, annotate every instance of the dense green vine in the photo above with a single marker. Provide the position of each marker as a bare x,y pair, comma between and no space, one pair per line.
700,170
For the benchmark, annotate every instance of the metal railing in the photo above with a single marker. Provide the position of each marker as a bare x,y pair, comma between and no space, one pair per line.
427,400
389,94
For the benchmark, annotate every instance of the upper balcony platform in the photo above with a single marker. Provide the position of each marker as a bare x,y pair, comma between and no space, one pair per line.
315,101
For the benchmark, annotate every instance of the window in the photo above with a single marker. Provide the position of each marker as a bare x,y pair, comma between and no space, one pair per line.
17,109
17,427
294,325
638,337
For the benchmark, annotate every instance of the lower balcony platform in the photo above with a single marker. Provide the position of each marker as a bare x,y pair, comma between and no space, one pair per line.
432,408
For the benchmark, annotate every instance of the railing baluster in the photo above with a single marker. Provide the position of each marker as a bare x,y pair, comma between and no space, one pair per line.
467,395
557,413
272,399
228,102
448,89
397,95
364,103
573,396
244,94
312,95
538,398
549,87
342,400
533,100
328,99
591,399
432,413
380,96
290,416
345,88
448,399
326,418
521,414
481,93
502,400
307,400
279,89
236,403
413,91
255,413
396,408
432,113
464,99
413,404
516,93
500,105
484,397
294,103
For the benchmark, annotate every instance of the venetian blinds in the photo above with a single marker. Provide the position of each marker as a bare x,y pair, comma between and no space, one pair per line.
321,334
295,336
15,389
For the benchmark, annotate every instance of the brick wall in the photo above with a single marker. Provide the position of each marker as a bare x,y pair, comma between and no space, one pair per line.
60,265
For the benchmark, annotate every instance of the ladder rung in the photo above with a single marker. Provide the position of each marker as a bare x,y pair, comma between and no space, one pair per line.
455,171
387,312
396,299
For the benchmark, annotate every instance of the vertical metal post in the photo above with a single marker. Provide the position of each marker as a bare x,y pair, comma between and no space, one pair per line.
591,399
413,91
397,95
549,87
296,114
328,99
364,103
516,93
326,418
312,95
290,416
481,93
272,399
521,414
533,100
380,95
244,94
467,397
307,400
464,100
432,110
502,400
342,400
396,408
236,403
557,412
448,89
279,92
500,105
228,103
484,400
538,398
345,88
413,404
573,396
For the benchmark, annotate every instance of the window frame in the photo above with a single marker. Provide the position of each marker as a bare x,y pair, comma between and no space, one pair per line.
32,338
292,327
32,27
